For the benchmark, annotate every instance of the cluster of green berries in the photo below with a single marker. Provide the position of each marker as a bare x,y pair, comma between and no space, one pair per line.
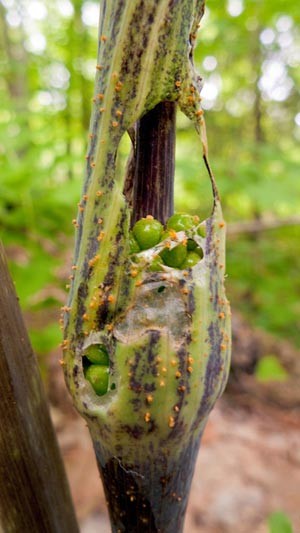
96,367
148,232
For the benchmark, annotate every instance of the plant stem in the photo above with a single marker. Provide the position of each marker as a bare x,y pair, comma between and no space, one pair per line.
155,163
34,491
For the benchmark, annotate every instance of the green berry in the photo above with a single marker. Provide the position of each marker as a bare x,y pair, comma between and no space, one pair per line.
133,245
97,354
201,230
199,251
147,232
156,265
191,260
97,375
191,245
175,257
180,222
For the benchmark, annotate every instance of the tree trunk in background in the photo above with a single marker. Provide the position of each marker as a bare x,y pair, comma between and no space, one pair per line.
34,492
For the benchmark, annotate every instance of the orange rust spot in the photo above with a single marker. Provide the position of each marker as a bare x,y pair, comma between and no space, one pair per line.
103,38
91,135
85,197
181,388
178,83
178,374
173,234
190,369
115,75
149,217
99,67
100,236
119,113
115,124
68,286
100,96
221,224
74,221
162,383
176,408
171,422
99,193
199,113
149,399
139,283
85,316
223,346
147,417
111,298
61,362
100,220
184,290
109,327
221,315
74,267
133,273
101,109
71,276
93,164
173,362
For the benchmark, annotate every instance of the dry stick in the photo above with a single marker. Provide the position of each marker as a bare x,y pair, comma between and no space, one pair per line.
34,494
155,163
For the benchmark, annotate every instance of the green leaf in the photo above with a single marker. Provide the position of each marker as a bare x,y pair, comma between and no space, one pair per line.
270,369
279,523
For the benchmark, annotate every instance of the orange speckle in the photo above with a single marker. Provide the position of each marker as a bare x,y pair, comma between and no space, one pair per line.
93,164
93,305
99,67
173,362
71,276
101,109
162,383
190,369
173,234
223,346
133,273
115,124
68,287
100,236
74,221
118,86
115,75
74,267
111,298
85,316
85,197
178,374
176,408
221,315
100,96
103,38
100,220
149,398
181,388
199,113
139,283
99,193
91,135
61,362
109,327
119,113
147,417
190,360
149,217
171,422
184,290
178,83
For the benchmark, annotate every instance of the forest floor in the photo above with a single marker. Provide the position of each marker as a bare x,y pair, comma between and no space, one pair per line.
249,461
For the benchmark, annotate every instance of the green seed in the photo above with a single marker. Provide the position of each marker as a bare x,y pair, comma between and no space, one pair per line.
175,257
201,230
191,245
199,251
180,222
133,245
156,265
97,353
191,260
97,375
147,232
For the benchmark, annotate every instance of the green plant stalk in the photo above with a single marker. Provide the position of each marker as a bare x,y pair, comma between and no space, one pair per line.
167,333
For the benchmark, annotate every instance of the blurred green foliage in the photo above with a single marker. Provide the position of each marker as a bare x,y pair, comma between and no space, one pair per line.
247,54
280,523
270,369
